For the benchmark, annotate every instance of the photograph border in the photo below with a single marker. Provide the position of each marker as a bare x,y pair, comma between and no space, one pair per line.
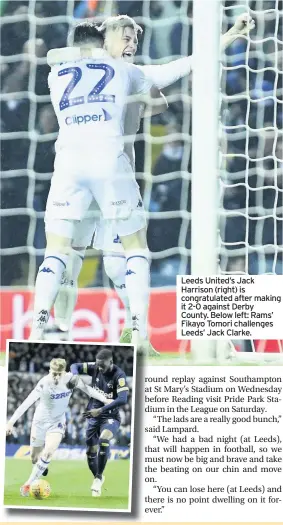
78,509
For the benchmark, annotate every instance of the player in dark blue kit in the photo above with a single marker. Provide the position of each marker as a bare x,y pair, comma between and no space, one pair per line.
103,420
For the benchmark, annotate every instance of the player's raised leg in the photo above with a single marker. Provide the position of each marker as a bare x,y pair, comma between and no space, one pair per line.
52,442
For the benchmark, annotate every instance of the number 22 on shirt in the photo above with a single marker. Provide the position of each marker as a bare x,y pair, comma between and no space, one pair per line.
95,95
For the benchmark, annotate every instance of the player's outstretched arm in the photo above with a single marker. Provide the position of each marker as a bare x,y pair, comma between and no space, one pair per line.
81,368
67,54
32,398
88,390
164,75
243,25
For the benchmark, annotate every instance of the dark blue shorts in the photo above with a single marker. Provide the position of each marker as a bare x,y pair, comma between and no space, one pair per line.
96,426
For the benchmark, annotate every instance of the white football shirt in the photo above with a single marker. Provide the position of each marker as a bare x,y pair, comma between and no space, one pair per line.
53,399
89,97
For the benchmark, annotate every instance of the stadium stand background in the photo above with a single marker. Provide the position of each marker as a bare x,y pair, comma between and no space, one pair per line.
29,362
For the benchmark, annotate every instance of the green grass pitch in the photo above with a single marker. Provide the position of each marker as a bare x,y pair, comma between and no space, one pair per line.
70,482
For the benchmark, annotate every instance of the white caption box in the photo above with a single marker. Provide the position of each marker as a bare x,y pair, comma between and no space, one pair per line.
234,306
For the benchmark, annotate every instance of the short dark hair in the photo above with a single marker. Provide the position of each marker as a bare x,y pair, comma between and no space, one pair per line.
86,33
105,353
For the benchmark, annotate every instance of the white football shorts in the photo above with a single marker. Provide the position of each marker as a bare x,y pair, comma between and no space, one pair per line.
39,430
111,208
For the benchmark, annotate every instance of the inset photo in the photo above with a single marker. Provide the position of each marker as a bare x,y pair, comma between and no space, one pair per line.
70,414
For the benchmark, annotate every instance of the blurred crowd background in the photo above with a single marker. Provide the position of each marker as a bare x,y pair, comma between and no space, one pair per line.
250,138
29,362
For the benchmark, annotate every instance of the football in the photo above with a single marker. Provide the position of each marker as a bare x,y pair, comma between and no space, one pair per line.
40,489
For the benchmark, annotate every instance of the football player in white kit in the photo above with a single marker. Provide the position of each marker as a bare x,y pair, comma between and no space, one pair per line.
106,238
53,392
89,96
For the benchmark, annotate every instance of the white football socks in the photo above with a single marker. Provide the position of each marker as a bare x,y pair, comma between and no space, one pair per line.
46,288
137,287
37,470
68,292
115,267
